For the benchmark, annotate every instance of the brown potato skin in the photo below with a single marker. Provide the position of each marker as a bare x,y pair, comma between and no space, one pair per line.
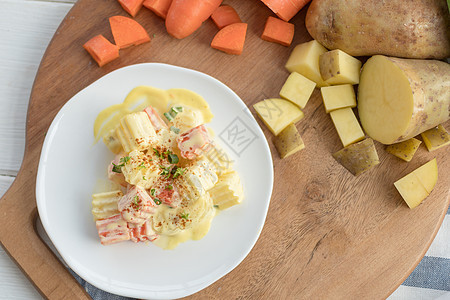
401,28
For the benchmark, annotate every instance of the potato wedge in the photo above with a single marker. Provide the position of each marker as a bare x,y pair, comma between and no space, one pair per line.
358,157
418,184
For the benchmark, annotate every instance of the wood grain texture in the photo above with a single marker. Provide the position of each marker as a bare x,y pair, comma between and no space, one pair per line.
327,233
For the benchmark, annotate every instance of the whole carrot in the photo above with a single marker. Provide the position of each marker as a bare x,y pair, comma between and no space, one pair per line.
186,16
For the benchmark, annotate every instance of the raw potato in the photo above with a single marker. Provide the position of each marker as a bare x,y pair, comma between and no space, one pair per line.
359,157
414,29
404,150
304,59
277,114
436,138
401,98
347,126
338,96
417,185
288,141
337,67
297,89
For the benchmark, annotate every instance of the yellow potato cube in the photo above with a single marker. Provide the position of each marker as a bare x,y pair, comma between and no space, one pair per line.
359,157
288,141
338,96
347,126
337,67
304,60
404,150
297,89
435,138
418,184
277,114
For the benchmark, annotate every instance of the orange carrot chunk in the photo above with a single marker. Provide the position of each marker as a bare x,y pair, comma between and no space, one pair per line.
230,39
285,9
131,6
225,15
127,32
159,7
186,16
102,50
278,31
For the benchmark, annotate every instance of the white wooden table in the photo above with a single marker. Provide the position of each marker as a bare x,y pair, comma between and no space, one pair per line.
26,27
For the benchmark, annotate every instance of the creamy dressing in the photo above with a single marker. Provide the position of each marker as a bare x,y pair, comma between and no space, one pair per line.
143,96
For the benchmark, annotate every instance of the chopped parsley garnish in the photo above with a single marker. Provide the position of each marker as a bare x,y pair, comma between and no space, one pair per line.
169,187
178,171
165,171
216,206
174,129
136,202
141,166
157,152
173,158
152,192
118,168
184,216
143,178
168,116
157,201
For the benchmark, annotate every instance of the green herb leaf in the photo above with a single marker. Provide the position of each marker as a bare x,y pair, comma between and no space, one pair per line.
173,158
143,178
184,216
125,159
152,192
174,129
136,202
157,201
216,206
169,187
178,172
156,152
168,116
117,168
141,166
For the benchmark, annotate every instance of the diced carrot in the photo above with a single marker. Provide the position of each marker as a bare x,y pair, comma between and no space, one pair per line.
285,9
186,16
230,39
102,50
225,15
131,6
278,31
159,7
112,230
127,32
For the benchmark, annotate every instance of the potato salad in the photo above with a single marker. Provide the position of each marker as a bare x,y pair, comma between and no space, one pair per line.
171,176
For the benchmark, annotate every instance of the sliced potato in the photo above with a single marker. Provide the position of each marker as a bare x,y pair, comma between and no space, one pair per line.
418,184
436,138
338,96
288,141
359,157
337,67
347,126
297,89
304,59
404,150
277,114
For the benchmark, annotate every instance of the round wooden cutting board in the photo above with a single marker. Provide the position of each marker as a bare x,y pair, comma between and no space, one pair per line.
328,234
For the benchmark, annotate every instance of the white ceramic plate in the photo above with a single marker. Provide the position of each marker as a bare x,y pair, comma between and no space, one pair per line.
71,165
